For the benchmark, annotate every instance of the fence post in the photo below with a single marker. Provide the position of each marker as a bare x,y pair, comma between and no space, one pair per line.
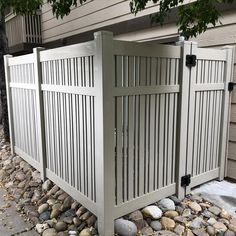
191,107
225,111
183,117
104,132
39,109
9,102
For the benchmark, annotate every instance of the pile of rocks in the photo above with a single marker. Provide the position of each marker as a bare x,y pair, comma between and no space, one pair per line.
171,217
54,212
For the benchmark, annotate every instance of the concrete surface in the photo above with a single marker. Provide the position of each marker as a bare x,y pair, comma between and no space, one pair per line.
11,223
223,194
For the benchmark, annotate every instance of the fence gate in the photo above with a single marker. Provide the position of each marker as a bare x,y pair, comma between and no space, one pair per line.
206,97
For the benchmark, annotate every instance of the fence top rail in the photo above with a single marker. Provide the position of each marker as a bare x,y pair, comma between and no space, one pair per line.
211,54
72,51
146,49
21,60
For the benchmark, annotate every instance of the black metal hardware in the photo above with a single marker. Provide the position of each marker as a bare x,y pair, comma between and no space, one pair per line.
231,86
191,60
185,180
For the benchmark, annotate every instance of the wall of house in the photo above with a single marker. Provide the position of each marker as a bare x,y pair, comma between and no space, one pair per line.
92,15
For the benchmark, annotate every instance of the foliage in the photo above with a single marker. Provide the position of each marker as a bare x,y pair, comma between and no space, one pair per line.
193,18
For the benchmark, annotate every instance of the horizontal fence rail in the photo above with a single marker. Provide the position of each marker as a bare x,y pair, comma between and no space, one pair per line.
117,124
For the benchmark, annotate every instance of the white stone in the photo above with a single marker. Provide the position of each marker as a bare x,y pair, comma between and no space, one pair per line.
152,211
41,227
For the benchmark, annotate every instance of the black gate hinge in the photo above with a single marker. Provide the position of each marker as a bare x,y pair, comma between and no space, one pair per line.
231,86
185,180
191,60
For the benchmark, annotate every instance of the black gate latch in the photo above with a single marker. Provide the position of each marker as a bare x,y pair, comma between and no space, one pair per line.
185,180
191,60
231,86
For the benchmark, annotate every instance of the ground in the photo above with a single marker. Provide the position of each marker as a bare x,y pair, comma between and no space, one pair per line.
11,222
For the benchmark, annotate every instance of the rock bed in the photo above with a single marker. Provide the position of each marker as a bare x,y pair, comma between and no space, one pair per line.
54,212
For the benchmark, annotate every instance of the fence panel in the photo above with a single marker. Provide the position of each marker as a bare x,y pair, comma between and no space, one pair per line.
206,138
146,92
68,101
23,105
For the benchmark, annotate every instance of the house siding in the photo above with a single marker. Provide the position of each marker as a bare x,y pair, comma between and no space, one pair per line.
92,15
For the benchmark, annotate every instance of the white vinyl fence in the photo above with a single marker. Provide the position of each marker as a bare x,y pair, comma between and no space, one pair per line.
119,125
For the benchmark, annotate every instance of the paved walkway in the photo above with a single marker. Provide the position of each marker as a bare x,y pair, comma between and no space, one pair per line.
11,222
221,193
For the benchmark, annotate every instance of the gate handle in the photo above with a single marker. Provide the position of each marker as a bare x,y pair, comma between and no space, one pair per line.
231,86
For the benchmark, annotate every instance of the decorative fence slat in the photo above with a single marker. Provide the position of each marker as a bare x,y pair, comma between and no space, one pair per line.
118,124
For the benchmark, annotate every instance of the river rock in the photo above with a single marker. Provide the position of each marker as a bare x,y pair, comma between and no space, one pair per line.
166,204
2,174
62,197
41,227
165,233
47,185
181,219
55,213
45,215
167,223
179,229
153,212
196,223
85,232
51,202
53,190
125,228
232,227
20,176
224,214
147,231
200,232
60,226
186,213
211,221
156,225
36,176
195,206
211,230
229,233
50,232
175,200
43,208
171,214
66,204
75,205
77,221
215,210
81,211
137,218
220,227
56,206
